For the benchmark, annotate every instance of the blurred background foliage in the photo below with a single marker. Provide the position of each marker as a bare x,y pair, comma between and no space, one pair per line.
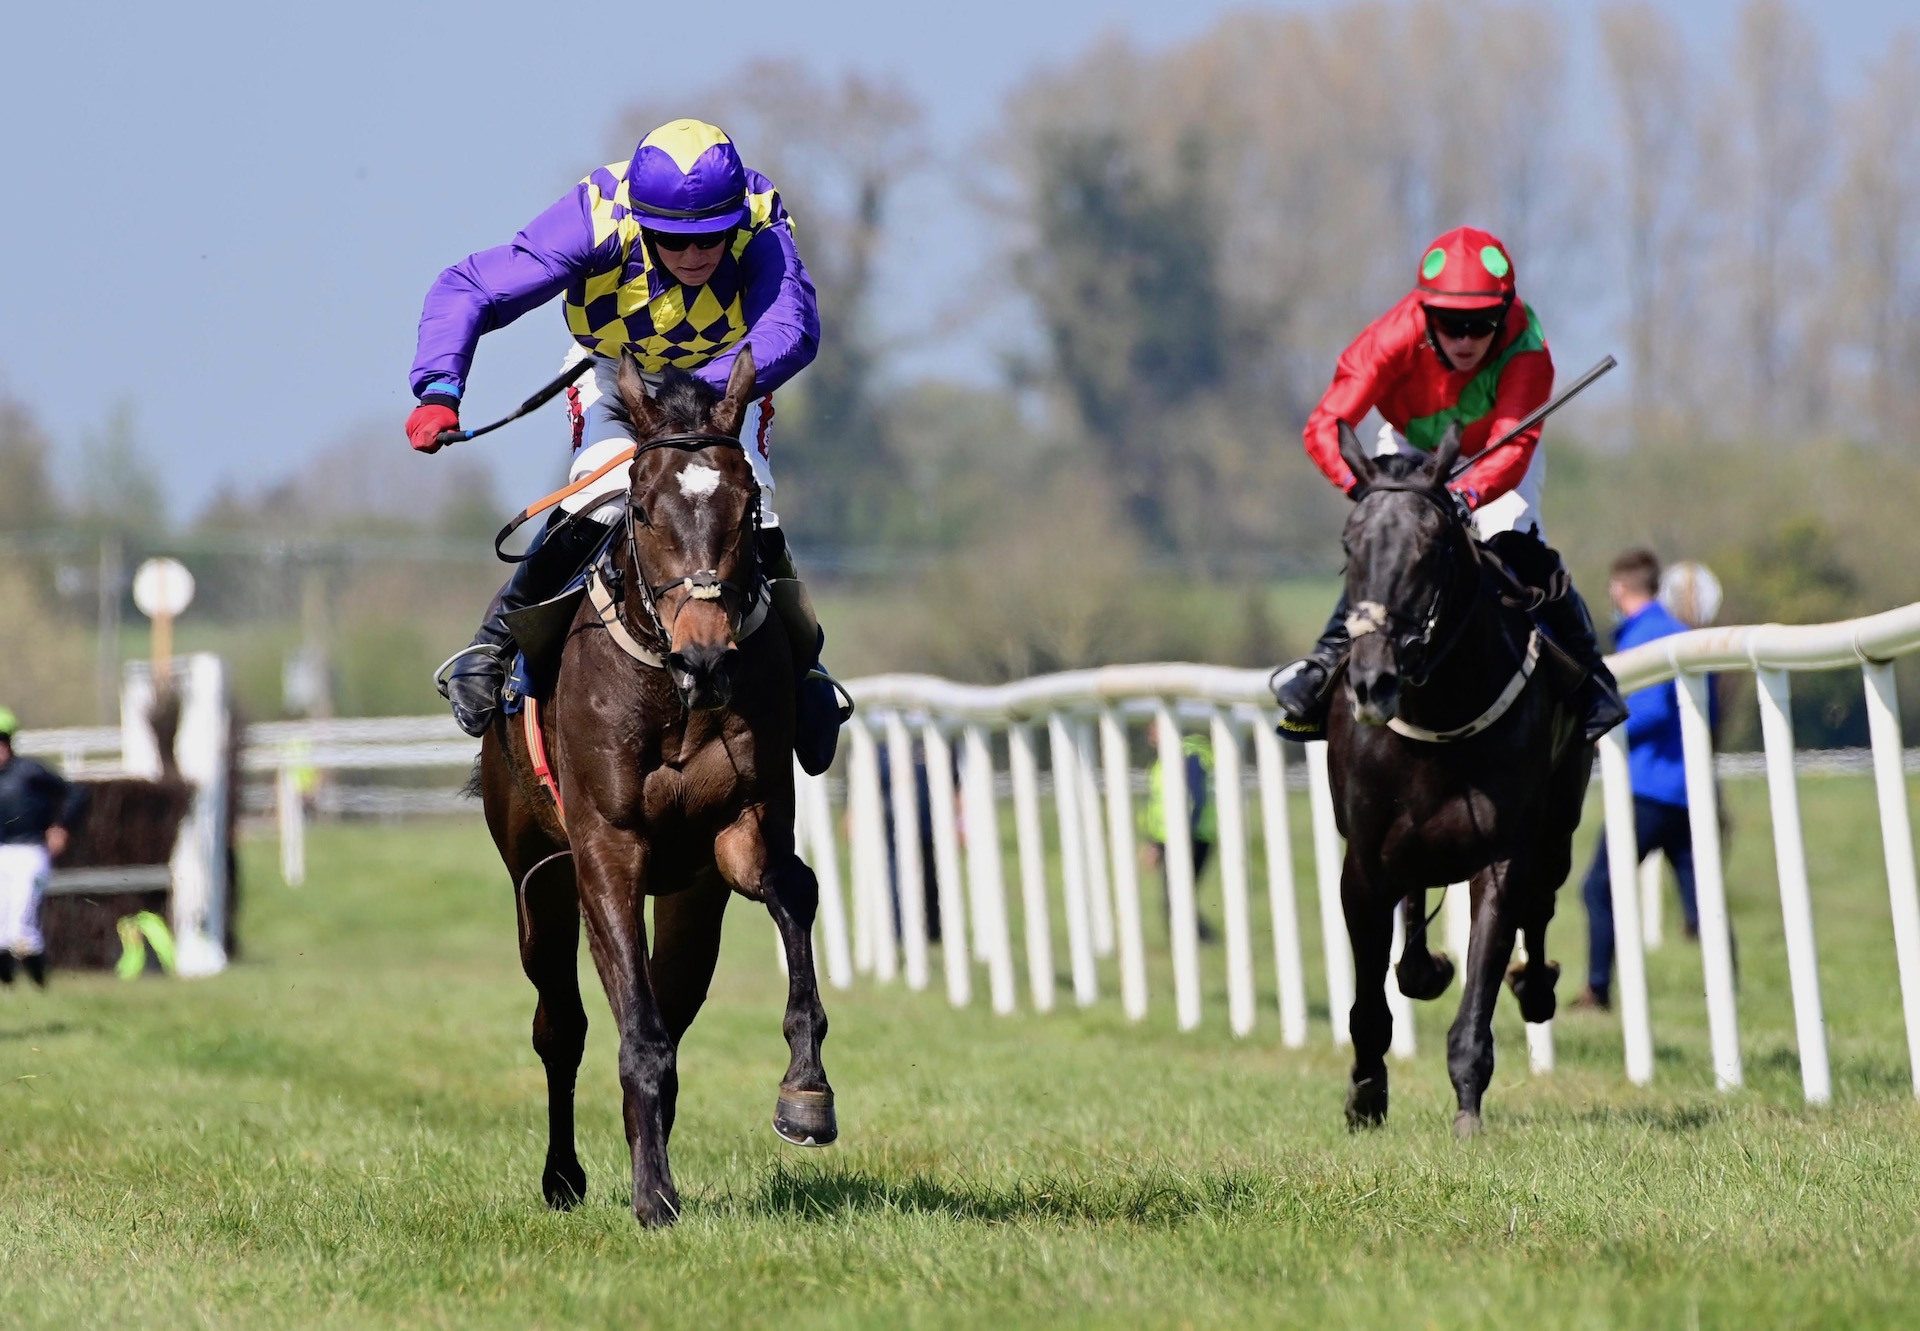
1187,238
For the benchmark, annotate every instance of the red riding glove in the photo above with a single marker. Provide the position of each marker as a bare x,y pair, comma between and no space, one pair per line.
427,421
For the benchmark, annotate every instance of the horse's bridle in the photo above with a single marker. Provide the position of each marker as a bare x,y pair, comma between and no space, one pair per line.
1415,654
702,584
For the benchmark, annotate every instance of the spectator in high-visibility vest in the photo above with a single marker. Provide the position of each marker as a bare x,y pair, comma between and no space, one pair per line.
36,805
1202,822
1657,771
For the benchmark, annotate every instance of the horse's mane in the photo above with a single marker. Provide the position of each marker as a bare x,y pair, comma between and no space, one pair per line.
684,401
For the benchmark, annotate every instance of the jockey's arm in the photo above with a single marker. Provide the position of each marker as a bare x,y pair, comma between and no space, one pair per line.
492,288
1526,383
782,313
1356,388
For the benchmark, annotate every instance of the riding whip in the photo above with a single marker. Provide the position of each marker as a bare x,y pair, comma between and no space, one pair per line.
545,394
1537,415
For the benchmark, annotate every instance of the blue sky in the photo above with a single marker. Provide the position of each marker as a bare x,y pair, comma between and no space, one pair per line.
227,215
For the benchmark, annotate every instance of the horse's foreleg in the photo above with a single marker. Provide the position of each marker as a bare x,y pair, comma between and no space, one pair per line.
756,856
549,949
1423,974
1470,1039
1370,930
803,1114
611,868
1533,982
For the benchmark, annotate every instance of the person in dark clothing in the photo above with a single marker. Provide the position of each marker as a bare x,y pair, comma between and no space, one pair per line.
1656,768
35,807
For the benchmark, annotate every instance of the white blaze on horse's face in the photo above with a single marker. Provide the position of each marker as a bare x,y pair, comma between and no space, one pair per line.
699,480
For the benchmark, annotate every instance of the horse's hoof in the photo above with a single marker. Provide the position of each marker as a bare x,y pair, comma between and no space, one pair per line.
657,1209
1466,1126
805,1118
1366,1104
1532,987
1425,983
565,1186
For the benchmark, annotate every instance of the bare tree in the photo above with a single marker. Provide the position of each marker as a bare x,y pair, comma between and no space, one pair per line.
1875,215
1648,67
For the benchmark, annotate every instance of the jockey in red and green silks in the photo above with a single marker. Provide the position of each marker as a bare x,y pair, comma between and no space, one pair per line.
1461,349
680,257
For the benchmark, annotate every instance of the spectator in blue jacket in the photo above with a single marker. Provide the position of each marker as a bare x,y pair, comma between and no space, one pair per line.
1654,763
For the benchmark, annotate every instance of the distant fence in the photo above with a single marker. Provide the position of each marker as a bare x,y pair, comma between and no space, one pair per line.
981,748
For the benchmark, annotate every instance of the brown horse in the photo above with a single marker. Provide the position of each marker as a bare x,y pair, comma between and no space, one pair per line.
1455,759
670,732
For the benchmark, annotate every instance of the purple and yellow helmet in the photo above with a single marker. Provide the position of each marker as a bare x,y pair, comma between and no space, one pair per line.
687,177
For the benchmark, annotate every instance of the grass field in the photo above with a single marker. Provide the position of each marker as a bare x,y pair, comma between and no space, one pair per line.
346,1130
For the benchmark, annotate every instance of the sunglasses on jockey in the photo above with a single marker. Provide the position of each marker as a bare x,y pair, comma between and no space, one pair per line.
676,242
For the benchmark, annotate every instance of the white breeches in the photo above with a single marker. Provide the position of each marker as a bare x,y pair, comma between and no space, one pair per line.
24,871
602,438
1516,510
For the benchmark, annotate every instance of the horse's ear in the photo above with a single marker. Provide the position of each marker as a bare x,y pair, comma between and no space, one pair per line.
1355,456
732,408
1446,455
631,384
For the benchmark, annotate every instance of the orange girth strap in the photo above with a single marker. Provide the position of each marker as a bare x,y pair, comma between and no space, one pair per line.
537,752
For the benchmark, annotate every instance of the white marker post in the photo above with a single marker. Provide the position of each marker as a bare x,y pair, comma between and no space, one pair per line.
162,589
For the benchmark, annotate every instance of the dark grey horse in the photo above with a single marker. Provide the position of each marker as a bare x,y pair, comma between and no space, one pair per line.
1456,758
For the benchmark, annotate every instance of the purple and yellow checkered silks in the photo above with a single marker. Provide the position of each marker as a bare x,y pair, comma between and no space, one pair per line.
687,177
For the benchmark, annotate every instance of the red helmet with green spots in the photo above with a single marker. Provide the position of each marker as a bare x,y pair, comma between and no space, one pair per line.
1466,269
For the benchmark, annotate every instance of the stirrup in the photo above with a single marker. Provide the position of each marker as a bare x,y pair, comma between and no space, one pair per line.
443,677
845,700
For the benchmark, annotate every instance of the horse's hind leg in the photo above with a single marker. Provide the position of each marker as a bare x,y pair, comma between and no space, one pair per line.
1423,974
1370,930
549,948
1470,1039
686,946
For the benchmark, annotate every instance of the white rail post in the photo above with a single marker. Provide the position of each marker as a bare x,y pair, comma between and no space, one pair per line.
1327,856
1653,883
1181,924
1623,855
291,807
1232,819
1459,924
823,857
1061,758
1709,881
1117,774
946,868
1033,868
1398,1003
909,874
987,877
1796,902
1896,835
1099,884
868,832
1277,838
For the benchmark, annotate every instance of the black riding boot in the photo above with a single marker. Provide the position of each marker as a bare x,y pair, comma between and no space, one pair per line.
35,965
1302,688
470,679
821,706
1596,700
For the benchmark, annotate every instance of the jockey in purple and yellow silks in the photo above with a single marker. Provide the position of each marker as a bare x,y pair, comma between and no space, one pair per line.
680,256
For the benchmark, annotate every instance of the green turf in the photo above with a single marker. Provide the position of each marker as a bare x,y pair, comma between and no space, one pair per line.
346,1130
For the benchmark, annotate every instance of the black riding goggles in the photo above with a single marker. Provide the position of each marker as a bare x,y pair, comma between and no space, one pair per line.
1473,326
675,242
